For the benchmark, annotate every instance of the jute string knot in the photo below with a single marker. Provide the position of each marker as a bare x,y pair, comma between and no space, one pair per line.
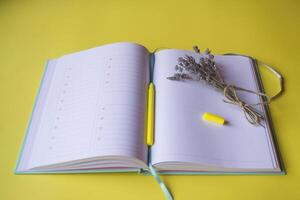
231,97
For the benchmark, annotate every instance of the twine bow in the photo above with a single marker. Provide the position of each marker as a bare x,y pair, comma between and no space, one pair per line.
253,117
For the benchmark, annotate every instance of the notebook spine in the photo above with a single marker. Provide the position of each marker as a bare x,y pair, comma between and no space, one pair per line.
144,171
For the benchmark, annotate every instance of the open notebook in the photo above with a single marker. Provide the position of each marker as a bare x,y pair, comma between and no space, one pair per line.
90,116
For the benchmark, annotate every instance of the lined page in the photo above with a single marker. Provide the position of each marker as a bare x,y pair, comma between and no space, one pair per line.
182,136
95,106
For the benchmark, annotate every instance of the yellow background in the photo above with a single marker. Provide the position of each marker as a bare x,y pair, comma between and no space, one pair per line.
32,31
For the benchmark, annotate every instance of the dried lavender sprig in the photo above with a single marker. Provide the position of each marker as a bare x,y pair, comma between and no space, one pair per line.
207,71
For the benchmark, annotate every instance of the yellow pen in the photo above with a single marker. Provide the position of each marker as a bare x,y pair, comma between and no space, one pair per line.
150,115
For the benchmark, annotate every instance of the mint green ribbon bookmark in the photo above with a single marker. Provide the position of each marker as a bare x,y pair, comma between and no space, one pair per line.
161,183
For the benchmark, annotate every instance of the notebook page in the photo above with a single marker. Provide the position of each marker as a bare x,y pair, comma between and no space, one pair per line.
182,136
95,106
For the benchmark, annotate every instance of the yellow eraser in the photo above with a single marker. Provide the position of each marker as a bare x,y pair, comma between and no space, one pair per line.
213,118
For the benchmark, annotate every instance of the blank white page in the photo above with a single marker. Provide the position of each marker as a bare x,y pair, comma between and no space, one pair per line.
94,106
182,136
